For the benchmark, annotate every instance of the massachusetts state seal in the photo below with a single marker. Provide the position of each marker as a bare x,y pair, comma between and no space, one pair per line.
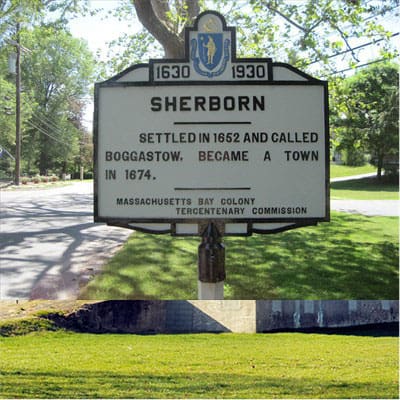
209,51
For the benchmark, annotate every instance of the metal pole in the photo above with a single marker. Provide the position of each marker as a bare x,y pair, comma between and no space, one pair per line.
18,110
211,264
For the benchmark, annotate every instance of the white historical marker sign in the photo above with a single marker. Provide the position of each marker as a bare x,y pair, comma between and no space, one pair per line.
211,137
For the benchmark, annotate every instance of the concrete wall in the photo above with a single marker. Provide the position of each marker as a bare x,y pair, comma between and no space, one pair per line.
234,315
304,314
242,316
119,316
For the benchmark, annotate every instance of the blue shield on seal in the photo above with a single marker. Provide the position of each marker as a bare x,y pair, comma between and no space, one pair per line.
210,49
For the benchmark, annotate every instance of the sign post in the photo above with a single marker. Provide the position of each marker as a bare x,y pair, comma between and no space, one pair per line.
211,145
211,260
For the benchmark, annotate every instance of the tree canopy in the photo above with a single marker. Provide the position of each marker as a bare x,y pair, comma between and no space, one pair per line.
366,115
313,36
306,33
57,71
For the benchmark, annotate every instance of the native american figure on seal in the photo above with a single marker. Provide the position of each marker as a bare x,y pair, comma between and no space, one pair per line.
211,49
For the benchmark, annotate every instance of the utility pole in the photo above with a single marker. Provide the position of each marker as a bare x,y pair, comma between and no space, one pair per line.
18,109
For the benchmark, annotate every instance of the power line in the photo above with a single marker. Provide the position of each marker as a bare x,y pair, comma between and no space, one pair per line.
389,13
49,122
47,134
43,118
353,48
379,17
46,121
360,66
3,149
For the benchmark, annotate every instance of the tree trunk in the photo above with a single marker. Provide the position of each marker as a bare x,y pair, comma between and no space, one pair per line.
43,157
155,16
380,167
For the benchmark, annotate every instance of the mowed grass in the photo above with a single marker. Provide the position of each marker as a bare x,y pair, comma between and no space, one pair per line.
365,189
338,171
362,189
288,365
352,257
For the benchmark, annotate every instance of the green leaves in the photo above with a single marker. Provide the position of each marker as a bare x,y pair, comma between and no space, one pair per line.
308,31
129,49
366,109
56,69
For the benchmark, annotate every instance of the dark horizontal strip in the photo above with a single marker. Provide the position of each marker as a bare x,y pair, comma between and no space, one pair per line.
214,123
213,188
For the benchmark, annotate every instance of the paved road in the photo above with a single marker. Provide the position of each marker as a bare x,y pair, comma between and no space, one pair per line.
352,177
388,208
371,208
49,243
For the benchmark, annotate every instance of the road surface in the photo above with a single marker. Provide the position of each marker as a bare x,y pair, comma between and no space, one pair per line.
388,208
49,244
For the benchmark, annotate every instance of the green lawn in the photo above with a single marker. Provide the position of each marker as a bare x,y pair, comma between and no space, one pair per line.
365,189
338,171
352,257
362,189
287,365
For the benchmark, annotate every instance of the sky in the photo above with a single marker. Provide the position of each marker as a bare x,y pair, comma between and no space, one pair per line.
98,31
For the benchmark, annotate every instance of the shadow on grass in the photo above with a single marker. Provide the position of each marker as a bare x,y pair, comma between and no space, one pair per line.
367,184
390,329
254,384
350,258
327,262
149,267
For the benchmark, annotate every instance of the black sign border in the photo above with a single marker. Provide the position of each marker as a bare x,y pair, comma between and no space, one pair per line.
292,222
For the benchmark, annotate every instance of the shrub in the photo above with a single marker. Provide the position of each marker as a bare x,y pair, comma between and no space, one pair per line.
354,157
25,326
